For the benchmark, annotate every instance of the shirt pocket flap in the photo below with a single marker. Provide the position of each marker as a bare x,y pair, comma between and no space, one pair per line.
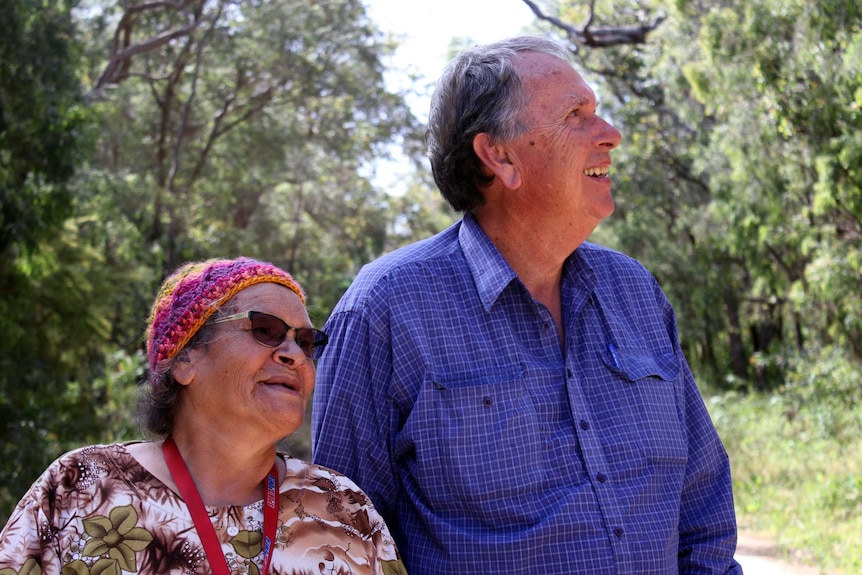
632,365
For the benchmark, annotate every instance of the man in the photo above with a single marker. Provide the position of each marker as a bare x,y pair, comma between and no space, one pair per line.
512,398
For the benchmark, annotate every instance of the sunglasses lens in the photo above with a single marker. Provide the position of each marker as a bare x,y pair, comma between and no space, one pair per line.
267,329
305,340
271,331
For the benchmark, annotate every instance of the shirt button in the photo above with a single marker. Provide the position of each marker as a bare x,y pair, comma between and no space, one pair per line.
601,477
585,425
487,401
232,530
569,372
546,325
618,531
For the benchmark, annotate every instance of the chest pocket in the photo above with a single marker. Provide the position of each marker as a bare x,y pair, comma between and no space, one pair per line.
486,447
651,381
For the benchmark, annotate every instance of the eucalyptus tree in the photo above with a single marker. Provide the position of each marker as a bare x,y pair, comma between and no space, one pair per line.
788,195
738,183
223,128
244,126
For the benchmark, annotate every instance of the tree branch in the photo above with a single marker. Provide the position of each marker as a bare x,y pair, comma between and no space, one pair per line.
602,37
117,68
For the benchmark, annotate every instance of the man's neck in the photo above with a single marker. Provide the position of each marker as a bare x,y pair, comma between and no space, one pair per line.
535,256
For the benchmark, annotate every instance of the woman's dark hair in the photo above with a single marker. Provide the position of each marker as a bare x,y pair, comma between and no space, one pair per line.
479,92
159,396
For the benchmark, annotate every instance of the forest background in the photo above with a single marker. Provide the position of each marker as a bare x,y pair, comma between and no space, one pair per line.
137,135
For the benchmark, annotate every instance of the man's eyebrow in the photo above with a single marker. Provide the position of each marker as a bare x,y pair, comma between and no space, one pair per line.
579,101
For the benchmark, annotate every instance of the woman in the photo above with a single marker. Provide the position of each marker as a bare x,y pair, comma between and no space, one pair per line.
230,349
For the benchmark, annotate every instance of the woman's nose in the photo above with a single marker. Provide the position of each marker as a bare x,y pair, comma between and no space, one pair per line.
289,352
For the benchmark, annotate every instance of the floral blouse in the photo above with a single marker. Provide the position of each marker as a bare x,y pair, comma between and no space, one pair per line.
97,511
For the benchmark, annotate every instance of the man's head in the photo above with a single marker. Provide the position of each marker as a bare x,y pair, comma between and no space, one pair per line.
480,91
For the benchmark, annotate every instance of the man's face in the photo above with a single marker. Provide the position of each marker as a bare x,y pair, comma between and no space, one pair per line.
565,155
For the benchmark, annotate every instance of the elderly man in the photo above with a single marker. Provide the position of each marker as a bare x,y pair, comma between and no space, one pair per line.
513,398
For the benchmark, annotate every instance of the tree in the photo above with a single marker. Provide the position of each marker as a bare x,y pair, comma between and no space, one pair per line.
40,119
219,128
49,324
246,107
602,36
736,181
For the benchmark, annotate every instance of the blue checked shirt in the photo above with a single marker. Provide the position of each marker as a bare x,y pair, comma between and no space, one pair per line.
445,394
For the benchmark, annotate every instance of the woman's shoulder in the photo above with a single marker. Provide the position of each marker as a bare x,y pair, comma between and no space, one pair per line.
333,523
93,469
84,481
325,488
315,476
88,460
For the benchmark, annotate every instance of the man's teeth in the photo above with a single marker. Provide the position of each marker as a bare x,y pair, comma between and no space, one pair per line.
596,171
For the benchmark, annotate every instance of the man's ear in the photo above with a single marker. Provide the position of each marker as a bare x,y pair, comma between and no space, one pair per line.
498,160
183,370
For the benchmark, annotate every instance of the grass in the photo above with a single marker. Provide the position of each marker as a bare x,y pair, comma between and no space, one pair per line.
797,474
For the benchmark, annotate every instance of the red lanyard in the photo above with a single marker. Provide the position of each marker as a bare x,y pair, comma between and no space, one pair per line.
201,518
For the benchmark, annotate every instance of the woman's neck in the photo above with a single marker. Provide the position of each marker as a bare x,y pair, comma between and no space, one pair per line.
226,471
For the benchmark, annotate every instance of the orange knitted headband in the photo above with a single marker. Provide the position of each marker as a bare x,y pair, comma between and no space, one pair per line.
190,295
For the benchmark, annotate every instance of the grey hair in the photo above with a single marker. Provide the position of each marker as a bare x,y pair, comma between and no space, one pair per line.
159,398
479,92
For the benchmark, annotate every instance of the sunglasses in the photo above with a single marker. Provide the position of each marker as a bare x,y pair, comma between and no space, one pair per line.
271,331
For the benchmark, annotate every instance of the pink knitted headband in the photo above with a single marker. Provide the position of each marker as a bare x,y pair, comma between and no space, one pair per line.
194,292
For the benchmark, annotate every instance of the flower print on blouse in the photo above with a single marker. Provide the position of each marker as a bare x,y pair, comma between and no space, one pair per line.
96,510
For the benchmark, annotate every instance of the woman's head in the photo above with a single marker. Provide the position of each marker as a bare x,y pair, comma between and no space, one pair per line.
181,322
479,92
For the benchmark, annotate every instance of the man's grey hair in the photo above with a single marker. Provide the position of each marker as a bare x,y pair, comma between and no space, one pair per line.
479,92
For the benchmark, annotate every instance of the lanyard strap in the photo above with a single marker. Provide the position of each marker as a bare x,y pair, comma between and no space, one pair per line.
205,529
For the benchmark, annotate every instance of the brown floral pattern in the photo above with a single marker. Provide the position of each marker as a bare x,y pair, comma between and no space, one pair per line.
96,511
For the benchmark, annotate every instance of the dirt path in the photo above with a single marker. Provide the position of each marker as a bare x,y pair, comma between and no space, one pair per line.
758,556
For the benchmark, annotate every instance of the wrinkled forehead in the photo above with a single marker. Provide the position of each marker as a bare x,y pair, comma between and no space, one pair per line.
268,297
539,71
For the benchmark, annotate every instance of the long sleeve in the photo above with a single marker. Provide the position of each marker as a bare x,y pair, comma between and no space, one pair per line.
707,516
350,402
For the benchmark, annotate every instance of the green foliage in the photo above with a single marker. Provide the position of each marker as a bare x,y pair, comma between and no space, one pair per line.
738,181
51,330
53,394
247,133
823,385
796,477
40,115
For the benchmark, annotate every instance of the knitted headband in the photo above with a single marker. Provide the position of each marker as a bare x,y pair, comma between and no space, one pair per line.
194,292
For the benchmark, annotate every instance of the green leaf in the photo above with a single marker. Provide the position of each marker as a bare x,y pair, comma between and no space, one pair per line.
247,543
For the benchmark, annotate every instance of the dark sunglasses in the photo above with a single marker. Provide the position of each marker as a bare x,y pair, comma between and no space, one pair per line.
271,331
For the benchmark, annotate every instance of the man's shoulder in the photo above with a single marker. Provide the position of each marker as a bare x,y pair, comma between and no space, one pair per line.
604,260
416,259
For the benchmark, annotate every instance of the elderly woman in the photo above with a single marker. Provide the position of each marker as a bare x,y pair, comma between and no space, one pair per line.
230,349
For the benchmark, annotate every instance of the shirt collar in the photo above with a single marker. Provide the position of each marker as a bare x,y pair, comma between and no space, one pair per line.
491,272
577,269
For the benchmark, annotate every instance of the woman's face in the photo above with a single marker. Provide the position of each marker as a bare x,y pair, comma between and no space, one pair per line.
238,386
